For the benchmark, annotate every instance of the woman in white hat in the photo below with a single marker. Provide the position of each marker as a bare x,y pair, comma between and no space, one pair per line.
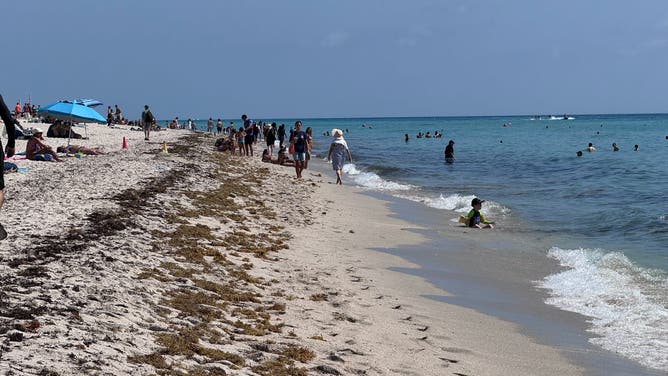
337,151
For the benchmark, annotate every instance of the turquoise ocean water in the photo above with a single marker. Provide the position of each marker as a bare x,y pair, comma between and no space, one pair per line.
605,213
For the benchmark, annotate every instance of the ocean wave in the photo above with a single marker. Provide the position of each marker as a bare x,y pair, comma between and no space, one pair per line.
372,180
626,304
458,203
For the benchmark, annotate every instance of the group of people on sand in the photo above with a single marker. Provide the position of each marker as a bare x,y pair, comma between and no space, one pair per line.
115,116
296,153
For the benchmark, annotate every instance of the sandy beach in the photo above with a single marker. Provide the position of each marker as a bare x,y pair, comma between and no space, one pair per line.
198,262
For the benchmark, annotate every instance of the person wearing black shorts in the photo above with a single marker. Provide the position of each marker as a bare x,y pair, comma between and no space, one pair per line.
9,125
249,139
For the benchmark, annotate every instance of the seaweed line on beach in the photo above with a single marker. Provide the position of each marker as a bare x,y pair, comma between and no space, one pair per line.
200,243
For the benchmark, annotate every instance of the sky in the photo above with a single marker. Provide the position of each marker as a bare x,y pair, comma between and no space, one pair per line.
339,58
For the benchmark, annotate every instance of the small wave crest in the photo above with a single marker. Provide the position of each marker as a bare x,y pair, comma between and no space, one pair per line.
627,304
372,180
458,203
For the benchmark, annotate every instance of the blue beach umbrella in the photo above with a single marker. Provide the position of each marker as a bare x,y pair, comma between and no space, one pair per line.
72,112
69,111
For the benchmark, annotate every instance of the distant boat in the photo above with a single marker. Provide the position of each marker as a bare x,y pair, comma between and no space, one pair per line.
565,117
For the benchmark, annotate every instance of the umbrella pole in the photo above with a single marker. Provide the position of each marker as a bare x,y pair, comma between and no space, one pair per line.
69,136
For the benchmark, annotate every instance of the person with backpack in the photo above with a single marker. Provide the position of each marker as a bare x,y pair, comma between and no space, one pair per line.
147,120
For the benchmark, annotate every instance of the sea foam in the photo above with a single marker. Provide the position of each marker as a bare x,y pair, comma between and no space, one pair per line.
458,203
626,304
372,180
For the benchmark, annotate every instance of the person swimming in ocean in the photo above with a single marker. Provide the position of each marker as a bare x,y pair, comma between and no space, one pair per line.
579,153
635,147
591,148
614,147
407,138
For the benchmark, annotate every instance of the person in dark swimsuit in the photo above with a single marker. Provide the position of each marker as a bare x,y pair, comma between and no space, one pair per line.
450,152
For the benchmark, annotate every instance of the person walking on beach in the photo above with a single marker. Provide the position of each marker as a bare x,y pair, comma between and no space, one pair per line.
450,152
271,138
209,126
110,116
10,123
337,152
475,218
309,146
119,114
299,142
248,140
147,120
281,135
219,126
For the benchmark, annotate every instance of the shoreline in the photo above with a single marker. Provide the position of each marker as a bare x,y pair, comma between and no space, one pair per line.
491,275
143,261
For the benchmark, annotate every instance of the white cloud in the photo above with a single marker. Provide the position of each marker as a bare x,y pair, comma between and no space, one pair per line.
335,39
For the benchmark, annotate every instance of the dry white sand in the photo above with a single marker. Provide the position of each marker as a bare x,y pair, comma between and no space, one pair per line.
139,262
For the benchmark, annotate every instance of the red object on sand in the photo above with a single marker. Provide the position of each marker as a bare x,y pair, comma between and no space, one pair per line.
125,143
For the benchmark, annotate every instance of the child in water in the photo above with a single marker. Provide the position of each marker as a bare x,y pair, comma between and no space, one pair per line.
475,218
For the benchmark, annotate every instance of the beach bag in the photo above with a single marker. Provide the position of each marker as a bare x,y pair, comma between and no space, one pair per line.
291,150
10,167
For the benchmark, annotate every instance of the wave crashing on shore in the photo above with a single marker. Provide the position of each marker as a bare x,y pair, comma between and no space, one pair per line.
626,303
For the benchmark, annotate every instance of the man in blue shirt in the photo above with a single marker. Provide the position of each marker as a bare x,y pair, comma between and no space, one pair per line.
299,141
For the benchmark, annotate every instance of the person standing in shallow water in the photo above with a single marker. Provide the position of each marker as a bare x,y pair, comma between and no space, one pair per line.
10,122
337,152
450,152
